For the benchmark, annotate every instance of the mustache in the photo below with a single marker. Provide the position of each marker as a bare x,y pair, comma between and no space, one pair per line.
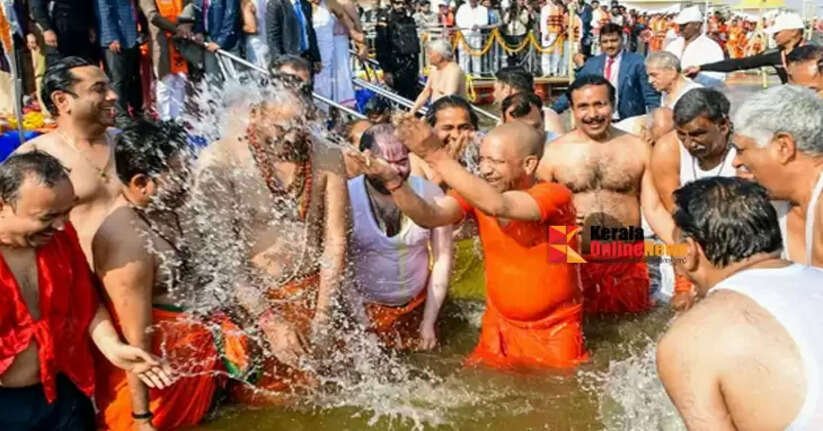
594,120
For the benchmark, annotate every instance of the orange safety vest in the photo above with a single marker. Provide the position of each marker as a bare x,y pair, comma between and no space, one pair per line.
171,9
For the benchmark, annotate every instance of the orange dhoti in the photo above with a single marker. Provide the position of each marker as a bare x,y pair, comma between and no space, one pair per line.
615,286
555,341
189,347
398,327
294,303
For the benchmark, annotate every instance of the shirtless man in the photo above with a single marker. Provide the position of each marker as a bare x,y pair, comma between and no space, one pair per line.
608,172
445,76
50,313
700,147
663,69
284,211
748,356
528,322
779,141
78,96
141,259
454,122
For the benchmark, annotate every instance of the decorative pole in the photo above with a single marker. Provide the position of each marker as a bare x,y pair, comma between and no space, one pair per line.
7,10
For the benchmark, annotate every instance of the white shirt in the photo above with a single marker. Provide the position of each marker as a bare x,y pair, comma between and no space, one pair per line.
701,51
468,17
614,78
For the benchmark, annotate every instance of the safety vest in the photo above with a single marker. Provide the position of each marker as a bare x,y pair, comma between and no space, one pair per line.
171,9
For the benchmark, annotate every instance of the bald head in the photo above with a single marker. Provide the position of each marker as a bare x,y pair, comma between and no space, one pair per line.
520,139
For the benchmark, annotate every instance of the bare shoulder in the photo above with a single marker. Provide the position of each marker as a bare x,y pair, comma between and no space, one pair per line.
708,328
46,143
120,234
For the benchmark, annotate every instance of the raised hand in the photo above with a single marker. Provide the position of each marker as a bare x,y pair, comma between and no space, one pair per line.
375,167
418,137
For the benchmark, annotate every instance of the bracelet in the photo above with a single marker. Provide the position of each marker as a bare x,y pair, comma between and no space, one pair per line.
142,416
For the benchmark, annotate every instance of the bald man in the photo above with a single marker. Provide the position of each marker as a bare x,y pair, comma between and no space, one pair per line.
609,173
529,322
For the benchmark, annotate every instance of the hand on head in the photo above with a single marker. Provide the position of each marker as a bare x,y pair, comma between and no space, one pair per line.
373,166
418,137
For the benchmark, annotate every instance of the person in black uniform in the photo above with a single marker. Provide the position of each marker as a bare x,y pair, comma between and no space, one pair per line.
68,28
398,49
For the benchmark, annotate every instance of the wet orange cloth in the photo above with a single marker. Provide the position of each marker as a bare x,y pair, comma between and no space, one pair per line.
615,286
530,302
189,347
682,284
296,304
398,327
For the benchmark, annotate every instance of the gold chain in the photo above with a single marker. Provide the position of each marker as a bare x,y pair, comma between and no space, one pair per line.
101,172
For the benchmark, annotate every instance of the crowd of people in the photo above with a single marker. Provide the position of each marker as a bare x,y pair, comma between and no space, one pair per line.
105,233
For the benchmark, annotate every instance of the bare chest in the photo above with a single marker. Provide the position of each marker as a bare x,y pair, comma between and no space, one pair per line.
24,269
590,168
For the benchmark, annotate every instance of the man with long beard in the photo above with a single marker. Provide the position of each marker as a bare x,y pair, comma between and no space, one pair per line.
281,203
608,172
80,98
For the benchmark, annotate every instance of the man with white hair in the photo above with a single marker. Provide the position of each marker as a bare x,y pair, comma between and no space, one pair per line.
788,34
694,47
663,69
445,76
779,141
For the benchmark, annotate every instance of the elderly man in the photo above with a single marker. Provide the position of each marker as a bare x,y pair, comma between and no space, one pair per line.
445,76
609,173
779,141
528,322
78,95
402,296
663,69
694,48
284,219
788,34
748,356
806,67
50,313
699,147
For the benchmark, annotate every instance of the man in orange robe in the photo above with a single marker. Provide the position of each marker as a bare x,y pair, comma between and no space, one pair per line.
140,258
533,309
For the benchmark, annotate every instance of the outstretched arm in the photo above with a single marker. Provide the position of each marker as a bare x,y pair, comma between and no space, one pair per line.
334,252
656,214
441,211
665,168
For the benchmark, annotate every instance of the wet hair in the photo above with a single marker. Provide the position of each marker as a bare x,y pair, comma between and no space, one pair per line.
663,60
38,165
586,80
59,77
611,28
450,101
377,105
378,132
701,101
806,53
516,77
789,109
295,62
522,104
731,218
146,147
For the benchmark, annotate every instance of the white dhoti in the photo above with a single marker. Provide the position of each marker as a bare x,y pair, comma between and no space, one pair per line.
475,41
343,88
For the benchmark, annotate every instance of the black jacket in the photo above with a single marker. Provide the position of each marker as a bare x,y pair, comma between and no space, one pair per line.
79,13
773,58
396,39
283,30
